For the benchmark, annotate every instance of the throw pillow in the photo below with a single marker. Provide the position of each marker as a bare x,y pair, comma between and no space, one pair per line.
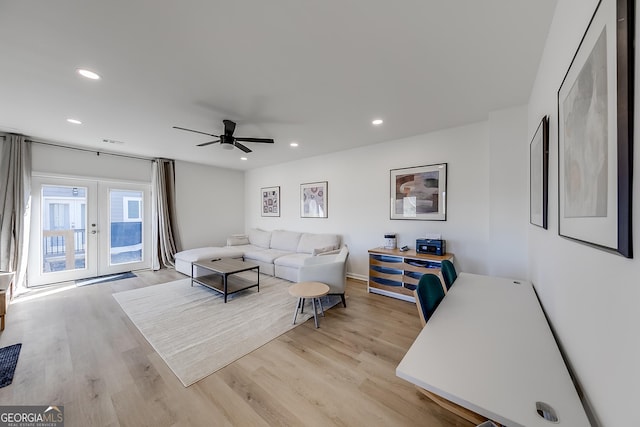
321,251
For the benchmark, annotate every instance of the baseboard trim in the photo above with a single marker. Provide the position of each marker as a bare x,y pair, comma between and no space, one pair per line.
359,277
392,294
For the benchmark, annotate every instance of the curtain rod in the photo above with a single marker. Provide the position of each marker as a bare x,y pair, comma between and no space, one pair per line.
90,151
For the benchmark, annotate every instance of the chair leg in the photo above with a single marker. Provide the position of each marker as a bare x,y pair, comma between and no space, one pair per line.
344,301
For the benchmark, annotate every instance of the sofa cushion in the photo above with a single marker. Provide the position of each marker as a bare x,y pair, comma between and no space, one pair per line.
292,260
246,248
260,237
311,241
285,240
238,239
264,255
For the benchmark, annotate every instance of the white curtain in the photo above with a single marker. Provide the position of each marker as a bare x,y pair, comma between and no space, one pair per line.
15,208
164,231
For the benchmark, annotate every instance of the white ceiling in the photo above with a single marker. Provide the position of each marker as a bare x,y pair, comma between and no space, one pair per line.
312,71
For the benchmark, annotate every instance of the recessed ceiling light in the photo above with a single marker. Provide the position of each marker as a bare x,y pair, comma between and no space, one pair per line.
88,74
377,122
74,121
243,158
294,144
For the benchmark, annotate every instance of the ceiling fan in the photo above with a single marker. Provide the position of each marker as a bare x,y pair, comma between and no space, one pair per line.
227,140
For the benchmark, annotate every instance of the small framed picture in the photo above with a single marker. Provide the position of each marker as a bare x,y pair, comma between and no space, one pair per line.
270,201
313,200
419,192
539,175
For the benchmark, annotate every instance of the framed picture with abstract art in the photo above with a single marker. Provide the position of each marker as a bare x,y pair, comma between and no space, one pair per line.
270,201
313,200
595,131
539,175
419,192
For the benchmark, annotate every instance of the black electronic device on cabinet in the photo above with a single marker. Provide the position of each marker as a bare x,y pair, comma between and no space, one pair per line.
431,246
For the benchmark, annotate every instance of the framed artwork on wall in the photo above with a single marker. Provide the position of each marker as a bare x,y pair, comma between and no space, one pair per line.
595,132
270,201
539,175
419,192
313,200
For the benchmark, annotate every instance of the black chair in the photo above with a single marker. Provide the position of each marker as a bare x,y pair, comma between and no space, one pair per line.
429,293
448,273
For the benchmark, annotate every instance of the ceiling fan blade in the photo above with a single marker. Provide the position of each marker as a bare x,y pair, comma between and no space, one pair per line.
208,143
265,140
242,147
229,127
196,131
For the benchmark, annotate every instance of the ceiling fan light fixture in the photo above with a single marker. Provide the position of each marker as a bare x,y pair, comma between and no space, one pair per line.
227,140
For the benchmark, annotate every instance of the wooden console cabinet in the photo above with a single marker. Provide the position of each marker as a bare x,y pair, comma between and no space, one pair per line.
396,274
6,280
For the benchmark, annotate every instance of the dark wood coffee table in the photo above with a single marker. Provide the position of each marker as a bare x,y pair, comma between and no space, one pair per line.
222,278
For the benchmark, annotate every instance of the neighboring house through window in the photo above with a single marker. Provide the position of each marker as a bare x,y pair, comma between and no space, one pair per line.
132,209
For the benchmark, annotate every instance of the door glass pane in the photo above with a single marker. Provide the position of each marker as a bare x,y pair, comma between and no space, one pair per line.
126,226
63,228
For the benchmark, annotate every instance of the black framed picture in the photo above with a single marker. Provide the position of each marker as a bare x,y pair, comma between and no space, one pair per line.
270,201
595,132
539,175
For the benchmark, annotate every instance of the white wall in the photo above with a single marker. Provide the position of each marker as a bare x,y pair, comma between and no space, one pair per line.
210,204
358,188
590,296
509,193
64,161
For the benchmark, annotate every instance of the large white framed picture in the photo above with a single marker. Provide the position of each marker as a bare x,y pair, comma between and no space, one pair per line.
595,131
419,193
314,200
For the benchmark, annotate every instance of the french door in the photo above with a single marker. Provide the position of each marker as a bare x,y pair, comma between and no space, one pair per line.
82,228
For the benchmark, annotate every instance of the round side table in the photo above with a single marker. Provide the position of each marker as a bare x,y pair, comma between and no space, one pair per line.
305,290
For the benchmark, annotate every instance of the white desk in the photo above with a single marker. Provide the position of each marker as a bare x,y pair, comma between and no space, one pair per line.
488,348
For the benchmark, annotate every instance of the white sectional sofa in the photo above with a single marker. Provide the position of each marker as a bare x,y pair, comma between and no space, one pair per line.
279,253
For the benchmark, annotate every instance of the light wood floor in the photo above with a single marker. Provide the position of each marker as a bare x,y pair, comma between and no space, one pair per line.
80,350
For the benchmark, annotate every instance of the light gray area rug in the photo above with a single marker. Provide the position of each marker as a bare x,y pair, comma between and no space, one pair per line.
196,333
